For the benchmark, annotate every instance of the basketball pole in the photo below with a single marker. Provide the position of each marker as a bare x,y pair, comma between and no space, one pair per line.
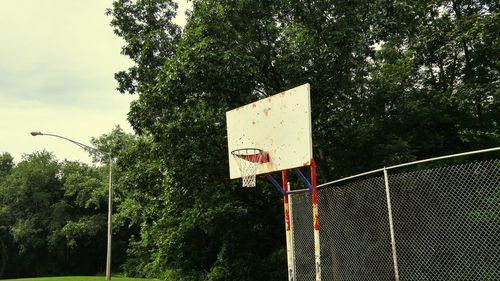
289,249
317,252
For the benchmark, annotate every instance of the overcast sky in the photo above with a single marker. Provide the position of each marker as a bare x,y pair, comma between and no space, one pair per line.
57,61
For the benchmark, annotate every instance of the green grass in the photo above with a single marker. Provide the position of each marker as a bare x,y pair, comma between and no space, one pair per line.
80,278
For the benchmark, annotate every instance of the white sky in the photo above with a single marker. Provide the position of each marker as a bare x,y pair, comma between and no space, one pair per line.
57,61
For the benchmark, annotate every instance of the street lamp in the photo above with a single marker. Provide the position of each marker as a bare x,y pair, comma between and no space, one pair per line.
110,193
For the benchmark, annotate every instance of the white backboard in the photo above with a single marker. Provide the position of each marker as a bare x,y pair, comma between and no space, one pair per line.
280,125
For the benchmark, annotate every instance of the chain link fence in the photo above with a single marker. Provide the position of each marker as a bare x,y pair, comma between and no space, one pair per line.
303,236
445,225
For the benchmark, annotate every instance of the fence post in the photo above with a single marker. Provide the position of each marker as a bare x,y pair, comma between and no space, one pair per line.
292,238
317,248
289,254
391,226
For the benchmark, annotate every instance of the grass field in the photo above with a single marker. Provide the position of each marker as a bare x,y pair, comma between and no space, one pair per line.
80,278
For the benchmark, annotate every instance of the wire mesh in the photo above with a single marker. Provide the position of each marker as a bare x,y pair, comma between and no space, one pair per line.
354,232
303,237
447,222
446,225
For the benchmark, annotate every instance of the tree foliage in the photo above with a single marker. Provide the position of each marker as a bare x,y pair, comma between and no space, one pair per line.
52,217
391,82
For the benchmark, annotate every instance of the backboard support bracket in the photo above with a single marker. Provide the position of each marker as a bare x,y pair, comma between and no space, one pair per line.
276,184
304,179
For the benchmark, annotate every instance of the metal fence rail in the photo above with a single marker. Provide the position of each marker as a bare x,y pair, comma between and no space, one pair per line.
430,224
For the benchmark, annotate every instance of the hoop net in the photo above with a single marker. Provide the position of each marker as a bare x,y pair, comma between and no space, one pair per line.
248,160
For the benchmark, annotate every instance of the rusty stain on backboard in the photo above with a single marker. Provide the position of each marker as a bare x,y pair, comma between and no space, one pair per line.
266,111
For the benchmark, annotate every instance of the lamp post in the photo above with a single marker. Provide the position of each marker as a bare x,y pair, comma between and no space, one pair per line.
110,193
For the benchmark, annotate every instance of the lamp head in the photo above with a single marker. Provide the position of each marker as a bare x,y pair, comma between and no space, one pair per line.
36,133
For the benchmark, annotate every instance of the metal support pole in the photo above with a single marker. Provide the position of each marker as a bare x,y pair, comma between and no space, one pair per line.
391,227
292,239
110,210
317,251
289,254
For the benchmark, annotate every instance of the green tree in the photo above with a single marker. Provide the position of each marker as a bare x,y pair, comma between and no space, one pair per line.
6,164
26,197
52,217
431,88
199,222
434,81
151,38
81,221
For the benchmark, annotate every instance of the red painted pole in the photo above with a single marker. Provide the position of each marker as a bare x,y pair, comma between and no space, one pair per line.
287,226
317,253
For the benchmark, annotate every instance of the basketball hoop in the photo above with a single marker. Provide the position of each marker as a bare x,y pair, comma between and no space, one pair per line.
248,160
